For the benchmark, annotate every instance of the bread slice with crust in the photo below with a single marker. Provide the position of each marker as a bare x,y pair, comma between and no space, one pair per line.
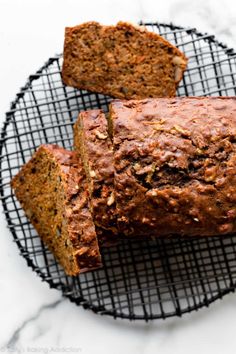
124,61
53,192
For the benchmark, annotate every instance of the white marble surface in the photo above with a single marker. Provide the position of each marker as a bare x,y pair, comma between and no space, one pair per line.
34,318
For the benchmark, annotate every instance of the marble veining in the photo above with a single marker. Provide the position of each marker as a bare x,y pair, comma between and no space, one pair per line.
15,337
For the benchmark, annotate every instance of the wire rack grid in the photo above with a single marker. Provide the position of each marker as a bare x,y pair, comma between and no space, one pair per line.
140,280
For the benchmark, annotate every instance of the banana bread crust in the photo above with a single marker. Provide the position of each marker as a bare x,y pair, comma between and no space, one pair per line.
52,190
93,143
123,61
175,165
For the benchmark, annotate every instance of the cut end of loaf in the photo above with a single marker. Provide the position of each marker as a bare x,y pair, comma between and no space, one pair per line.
92,141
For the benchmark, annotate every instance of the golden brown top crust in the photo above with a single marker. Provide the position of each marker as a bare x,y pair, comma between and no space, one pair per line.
123,61
175,165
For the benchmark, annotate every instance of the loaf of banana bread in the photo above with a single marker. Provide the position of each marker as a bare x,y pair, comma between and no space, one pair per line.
53,192
175,165
123,61
170,170
93,143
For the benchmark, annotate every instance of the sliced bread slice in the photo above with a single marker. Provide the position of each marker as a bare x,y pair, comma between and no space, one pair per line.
123,61
52,190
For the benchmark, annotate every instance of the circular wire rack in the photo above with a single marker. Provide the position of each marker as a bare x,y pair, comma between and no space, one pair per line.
140,279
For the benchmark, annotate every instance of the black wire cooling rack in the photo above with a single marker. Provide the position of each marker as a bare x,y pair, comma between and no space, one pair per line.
140,280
